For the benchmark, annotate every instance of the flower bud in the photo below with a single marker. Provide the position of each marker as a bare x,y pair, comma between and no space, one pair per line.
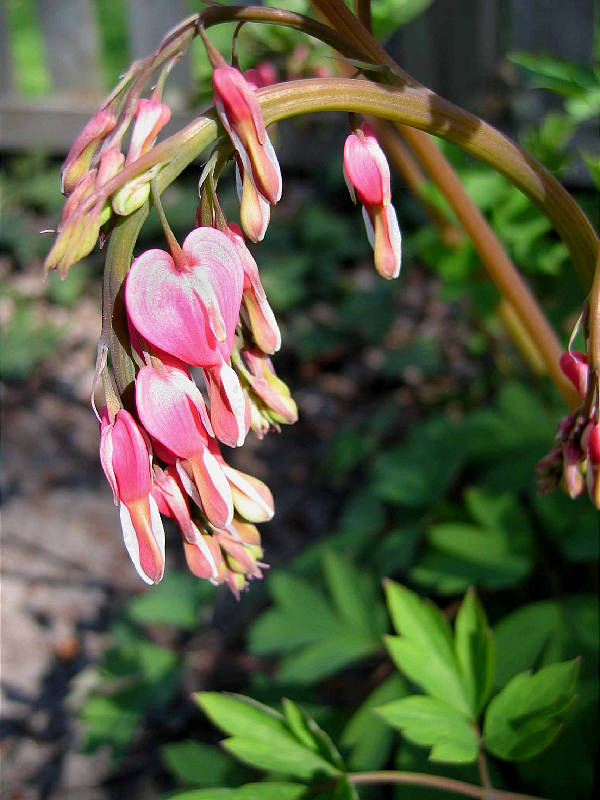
240,113
271,392
575,366
84,147
366,170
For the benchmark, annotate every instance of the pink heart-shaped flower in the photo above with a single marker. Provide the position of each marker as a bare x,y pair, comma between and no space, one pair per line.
192,312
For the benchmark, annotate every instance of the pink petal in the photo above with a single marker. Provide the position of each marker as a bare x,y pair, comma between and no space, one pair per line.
229,414
144,538
172,501
171,409
366,168
213,488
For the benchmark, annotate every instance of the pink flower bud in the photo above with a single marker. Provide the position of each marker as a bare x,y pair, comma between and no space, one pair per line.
190,313
366,170
151,116
575,366
229,410
204,558
126,462
273,392
572,475
240,113
84,147
261,319
240,559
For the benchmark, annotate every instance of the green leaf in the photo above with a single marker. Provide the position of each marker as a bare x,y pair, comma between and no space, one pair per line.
241,716
194,762
410,475
307,731
369,739
176,600
495,553
571,524
261,737
522,719
474,650
108,722
425,650
320,634
286,756
541,633
430,722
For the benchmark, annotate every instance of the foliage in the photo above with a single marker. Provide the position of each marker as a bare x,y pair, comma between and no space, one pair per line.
456,673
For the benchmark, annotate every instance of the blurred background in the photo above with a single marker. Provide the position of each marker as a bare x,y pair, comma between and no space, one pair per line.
420,422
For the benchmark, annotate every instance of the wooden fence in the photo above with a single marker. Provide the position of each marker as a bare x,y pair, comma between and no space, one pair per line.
457,47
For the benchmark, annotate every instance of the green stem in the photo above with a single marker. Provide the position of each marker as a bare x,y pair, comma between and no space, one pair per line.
436,782
174,247
406,106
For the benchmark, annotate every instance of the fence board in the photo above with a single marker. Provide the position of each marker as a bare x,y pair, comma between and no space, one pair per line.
148,22
72,47
6,71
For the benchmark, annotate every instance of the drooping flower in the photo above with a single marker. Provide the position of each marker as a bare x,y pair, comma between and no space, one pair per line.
575,366
239,111
125,459
366,170
272,393
229,407
190,312
260,317
172,410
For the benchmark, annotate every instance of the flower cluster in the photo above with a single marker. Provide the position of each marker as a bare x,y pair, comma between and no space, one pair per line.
93,161
198,310
574,460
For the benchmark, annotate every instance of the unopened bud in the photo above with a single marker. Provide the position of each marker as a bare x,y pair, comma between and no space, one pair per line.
575,366
131,196
84,147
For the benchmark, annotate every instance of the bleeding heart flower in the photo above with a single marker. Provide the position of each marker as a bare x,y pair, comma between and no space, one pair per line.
575,366
229,407
366,170
240,113
125,460
190,312
260,317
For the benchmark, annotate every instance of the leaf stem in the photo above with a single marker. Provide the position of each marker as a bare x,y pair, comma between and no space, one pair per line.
436,782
